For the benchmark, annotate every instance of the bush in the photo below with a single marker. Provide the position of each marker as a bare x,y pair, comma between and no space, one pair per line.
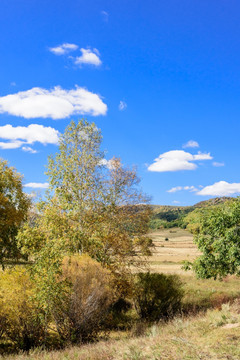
89,296
20,318
158,295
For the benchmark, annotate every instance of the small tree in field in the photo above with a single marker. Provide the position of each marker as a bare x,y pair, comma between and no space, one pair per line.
218,238
94,207
14,205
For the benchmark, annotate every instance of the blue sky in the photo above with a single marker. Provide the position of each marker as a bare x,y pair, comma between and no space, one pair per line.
160,78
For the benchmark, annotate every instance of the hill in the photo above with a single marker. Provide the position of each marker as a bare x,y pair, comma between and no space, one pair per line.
170,216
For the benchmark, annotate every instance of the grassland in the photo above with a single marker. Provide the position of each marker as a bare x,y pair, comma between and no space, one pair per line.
171,248
168,257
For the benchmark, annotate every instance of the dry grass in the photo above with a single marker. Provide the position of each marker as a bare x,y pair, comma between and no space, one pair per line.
169,255
213,336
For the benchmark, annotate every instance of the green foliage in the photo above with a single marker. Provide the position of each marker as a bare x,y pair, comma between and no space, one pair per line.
20,317
169,216
218,238
14,205
94,207
192,221
158,295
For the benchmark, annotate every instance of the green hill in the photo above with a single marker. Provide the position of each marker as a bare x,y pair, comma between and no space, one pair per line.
167,216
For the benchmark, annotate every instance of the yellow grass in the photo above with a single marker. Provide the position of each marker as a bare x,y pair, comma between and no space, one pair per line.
168,256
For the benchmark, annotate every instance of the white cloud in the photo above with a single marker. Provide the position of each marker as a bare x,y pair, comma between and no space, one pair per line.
30,134
29,149
175,189
221,188
202,156
179,188
20,136
11,145
105,15
56,103
176,202
88,56
218,164
107,163
37,185
177,160
190,188
122,105
63,49
191,144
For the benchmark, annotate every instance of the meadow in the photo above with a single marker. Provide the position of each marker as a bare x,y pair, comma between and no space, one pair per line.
171,248
174,246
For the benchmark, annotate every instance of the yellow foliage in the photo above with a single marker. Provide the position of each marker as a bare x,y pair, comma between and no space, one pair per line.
90,295
18,313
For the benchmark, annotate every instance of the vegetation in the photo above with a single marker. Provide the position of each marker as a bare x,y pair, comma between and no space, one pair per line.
20,318
14,205
83,241
158,296
218,239
214,335
177,216
87,244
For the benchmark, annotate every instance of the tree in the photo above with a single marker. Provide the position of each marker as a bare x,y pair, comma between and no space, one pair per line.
94,207
14,205
218,238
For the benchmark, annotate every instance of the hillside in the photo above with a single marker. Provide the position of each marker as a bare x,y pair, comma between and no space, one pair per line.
170,216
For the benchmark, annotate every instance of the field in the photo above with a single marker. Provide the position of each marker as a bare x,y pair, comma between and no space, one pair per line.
168,257
171,248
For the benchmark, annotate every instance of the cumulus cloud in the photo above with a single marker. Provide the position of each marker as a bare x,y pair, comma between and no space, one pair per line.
122,105
24,135
63,49
179,188
177,160
20,135
221,188
191,144
34,185
30,134
218,164
91,57
55,103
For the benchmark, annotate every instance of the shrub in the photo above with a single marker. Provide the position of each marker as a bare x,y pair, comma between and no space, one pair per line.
158,295
20,318
88,298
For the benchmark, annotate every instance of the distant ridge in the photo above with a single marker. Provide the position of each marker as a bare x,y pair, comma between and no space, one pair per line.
200,204
215,201
170,216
